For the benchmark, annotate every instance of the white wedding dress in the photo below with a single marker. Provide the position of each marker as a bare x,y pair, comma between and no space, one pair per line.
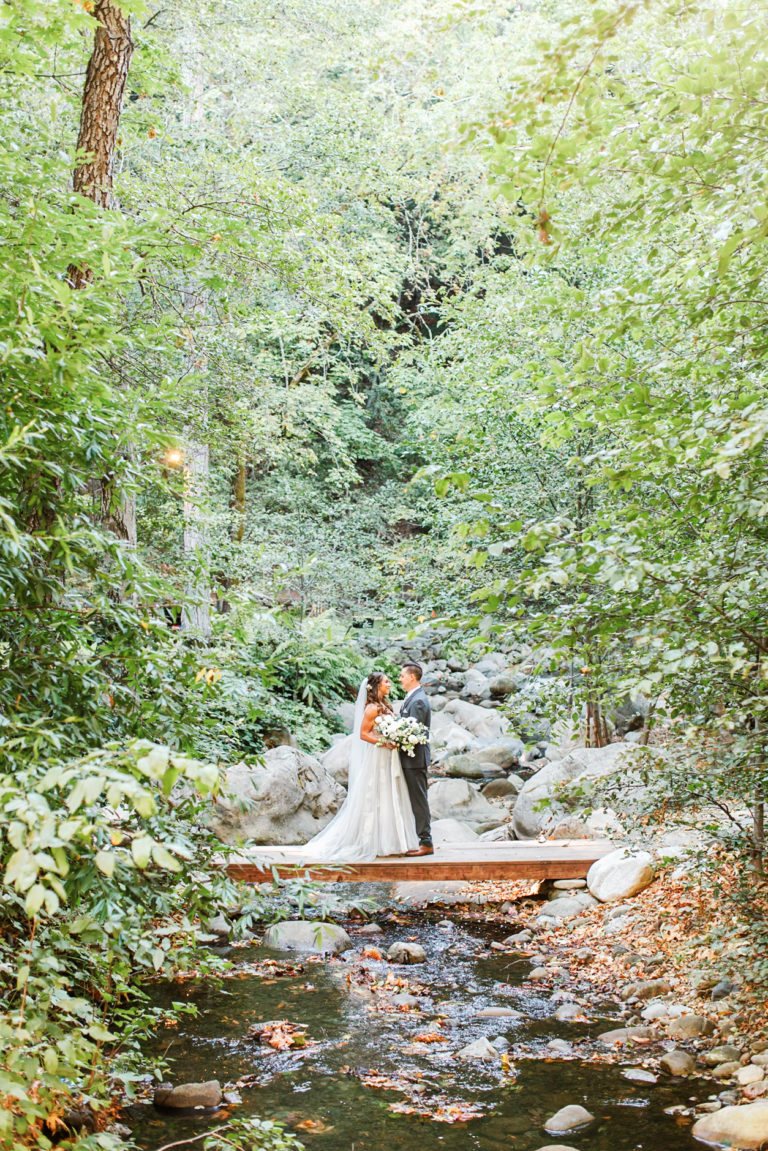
376,817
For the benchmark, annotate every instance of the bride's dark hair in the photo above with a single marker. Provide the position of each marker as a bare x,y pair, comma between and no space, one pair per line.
373,688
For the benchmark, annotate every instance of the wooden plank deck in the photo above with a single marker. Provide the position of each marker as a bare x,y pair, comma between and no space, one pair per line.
519,859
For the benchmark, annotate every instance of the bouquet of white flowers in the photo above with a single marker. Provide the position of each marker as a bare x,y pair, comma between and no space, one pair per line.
404,731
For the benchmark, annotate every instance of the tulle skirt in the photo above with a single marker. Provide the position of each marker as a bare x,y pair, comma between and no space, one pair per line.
376,817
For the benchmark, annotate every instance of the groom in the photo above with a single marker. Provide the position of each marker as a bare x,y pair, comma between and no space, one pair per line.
416,704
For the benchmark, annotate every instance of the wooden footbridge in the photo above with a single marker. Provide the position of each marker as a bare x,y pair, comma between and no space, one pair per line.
478,860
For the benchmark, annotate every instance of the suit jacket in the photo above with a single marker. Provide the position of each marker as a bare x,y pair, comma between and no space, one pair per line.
418,706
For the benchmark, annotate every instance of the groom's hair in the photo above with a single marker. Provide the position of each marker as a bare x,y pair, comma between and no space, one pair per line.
415,669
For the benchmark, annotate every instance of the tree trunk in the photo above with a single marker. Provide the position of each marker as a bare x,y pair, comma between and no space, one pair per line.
239,493
100,116
196,612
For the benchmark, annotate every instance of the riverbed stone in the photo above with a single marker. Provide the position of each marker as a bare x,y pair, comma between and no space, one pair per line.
620,874
481,1049
645,989
476,686
556,1147
302,935
690,1027
402,952
569,884
569,1011
499,1013
677,1063
725,1070
744,1127
564,908
748,1075
287,798
624,1035
188,1095
568,1119
725,1053
639,1075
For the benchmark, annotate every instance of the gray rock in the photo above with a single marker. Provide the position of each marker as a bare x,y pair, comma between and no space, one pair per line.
639,1075
563,908
539,807
498,788
722,990
725,1053
220,927
556,1147
568,1119
476,686
517,938
481,1049
619,875
287,799
336,760
459,799
500,834
302,935
188,1095
499,1013
624,1035
725,1070
690,1027
738,1127
568,884
677,1063
562,1046
500,1043
630,715
567,1012
471,766
452,831
506,683
645,989
482,723
406,953
745,1076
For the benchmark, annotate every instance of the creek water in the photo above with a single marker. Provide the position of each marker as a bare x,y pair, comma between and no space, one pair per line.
365,1033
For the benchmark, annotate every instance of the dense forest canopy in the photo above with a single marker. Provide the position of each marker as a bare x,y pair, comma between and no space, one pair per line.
382,314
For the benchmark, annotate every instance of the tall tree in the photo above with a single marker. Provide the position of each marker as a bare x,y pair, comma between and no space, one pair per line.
102,102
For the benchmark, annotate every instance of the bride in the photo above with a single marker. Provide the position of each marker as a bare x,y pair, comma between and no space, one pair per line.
376,817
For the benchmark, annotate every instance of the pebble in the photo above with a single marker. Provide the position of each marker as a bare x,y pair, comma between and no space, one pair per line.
538,973
561,1045
568,884
749,1074
370,929
639,1075
677,1063
406,953
568,1119
499,1013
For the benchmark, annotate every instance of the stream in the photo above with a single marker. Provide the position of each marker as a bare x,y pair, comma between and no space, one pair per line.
379,1068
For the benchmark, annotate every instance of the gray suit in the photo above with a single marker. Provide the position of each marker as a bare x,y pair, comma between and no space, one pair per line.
415,766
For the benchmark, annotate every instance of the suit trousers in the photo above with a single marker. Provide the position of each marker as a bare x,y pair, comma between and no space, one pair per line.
416,782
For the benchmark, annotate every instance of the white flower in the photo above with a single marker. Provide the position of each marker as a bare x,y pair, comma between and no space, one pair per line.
405,732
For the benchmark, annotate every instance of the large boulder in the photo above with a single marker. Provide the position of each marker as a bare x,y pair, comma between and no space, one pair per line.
743,1127
475,686
482,722
336,759
539,809
506,683
620,874
469,766
301,935
345,712
287,798
458,799
453,740
445,831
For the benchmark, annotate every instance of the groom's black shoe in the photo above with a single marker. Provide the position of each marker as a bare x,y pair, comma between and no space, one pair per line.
425,849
